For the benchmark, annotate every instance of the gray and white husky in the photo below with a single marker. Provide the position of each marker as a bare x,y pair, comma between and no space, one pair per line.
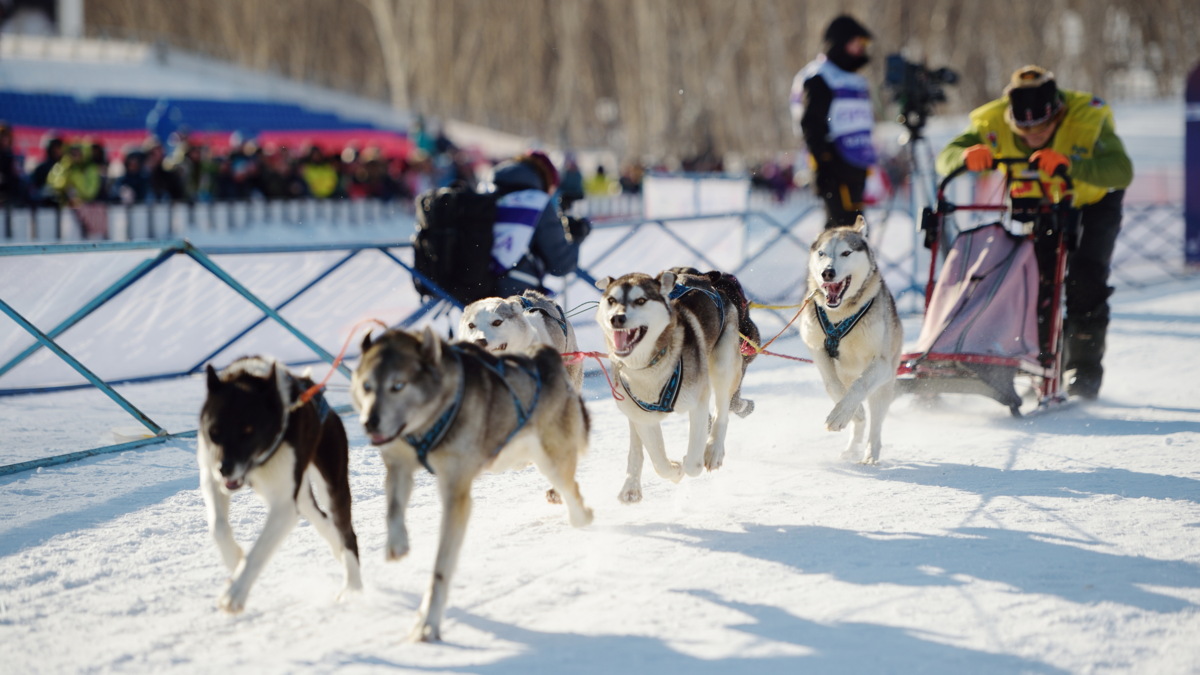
520,323
254,431
854,334
458,410
674,345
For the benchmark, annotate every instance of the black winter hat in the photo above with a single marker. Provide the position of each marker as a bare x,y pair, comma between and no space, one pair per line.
844,29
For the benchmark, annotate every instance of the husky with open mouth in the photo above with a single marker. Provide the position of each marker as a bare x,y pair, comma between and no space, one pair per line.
674,345
256,430
854,334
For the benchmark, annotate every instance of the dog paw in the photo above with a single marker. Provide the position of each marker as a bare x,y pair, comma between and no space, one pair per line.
349,593
397,549
714,458
232,602
583,519
553,497
631,493
869,461
695,468
741,407
425,632
839,417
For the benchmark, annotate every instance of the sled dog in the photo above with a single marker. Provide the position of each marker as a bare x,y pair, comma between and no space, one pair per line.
294,456
674,346
854,334
457,409
519,323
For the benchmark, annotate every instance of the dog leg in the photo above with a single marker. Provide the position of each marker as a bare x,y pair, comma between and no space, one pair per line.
879,402
558,466
632,490
217,503
652,436
335,528
398,488
699,423
879,373
725,375
281,518
456,510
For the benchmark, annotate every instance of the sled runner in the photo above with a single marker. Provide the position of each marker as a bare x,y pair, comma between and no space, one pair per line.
983,331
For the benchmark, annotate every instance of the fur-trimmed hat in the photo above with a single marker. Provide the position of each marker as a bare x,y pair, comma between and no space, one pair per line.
1032,97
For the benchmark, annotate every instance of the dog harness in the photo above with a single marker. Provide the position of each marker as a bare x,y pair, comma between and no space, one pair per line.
681,290
561,319
427,442
666,398
834,332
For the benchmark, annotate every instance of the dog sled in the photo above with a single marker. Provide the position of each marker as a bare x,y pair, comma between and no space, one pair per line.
983,332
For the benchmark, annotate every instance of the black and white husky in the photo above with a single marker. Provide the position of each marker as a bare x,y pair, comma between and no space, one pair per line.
854,334
254,431
674,344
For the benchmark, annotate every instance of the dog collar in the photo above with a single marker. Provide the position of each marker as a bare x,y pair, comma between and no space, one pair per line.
429,440
666,397
834,332
528,305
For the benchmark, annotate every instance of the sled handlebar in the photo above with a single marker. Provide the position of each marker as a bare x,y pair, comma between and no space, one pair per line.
1031,174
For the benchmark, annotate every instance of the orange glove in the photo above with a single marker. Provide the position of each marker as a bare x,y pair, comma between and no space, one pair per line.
978,158
1048,161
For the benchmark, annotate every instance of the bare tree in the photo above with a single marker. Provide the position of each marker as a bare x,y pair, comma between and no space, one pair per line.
653,79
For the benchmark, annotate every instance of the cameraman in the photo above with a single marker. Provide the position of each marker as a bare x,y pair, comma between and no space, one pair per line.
831,109
1055,128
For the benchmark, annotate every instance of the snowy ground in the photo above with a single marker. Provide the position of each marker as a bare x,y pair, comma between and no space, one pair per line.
1065,543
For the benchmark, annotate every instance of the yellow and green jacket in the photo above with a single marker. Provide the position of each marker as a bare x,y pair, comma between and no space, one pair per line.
74,182
1086,135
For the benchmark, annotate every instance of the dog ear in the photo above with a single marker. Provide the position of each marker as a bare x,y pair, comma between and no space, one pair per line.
860,224
366,343
431,345
604,283
666,281
283,383
214,382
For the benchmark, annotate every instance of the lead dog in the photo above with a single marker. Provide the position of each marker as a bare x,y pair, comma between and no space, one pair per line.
674,345
254,431
854,334
457,409
519,323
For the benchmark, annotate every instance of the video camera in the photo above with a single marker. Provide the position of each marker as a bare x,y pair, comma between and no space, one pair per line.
916,89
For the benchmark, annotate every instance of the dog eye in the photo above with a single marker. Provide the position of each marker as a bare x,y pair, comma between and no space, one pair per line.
820,254
248,430
471,326
610,301
845,254
397,386
639,302
497,322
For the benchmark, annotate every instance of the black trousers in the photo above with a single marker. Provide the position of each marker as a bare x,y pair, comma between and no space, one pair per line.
1088,267
841,188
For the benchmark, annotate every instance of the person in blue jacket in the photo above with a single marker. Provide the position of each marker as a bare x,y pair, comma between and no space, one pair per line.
531,237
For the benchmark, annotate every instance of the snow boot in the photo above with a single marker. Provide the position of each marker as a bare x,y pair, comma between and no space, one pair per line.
1083,351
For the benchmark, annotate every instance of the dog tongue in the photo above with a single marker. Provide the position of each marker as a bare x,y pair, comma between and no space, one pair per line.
622,339
833,292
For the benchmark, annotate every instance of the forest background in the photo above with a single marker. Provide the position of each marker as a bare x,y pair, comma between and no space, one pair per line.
654,80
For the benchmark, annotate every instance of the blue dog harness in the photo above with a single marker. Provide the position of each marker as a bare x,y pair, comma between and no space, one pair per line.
428,442
561,319
834,332
681,290
666,397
